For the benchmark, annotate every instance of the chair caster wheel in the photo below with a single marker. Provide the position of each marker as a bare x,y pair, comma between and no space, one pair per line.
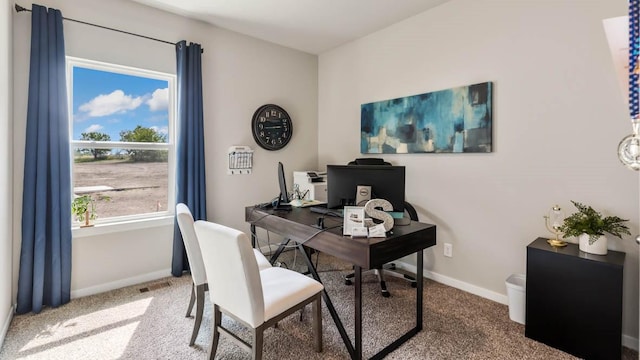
347,282
414,285
386,294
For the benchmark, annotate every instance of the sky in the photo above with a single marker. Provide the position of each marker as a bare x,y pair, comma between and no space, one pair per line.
108,103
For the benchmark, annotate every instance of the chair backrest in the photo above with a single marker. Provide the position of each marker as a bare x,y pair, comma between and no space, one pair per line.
185,223
369,161
232,270
413,214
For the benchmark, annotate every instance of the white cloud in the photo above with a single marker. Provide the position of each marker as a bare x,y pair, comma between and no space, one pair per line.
161,130
159,100
93,128
116,102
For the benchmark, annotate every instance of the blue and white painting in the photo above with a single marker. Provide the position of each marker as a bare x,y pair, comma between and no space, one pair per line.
456,120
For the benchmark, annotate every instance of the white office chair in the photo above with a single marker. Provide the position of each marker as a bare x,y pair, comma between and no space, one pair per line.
198,275
257,299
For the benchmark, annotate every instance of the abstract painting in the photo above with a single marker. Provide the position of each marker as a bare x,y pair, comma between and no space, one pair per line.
456,120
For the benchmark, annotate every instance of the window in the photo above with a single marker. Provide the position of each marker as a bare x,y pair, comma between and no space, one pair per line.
122,139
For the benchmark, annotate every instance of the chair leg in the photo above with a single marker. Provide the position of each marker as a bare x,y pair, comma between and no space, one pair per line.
348,279
215,332
383,284
400,274
390,271
199,310
191,300
317,322
257,343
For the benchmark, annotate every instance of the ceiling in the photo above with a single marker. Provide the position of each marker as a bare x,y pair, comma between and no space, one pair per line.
312,26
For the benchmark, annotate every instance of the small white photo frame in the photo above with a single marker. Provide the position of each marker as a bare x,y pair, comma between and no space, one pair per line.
353,217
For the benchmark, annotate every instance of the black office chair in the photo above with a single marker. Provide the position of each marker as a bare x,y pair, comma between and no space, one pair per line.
390,268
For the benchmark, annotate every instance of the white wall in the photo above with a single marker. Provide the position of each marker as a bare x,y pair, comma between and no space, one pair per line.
6,162
239,74
558,117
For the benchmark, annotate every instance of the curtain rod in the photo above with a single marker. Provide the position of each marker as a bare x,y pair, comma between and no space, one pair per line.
20,9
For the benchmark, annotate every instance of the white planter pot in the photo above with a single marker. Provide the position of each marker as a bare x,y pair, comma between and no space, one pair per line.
599,247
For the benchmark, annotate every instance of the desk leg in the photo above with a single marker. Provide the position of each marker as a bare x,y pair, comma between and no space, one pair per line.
253,236
419,295
419,298
279,251
358,313
330,307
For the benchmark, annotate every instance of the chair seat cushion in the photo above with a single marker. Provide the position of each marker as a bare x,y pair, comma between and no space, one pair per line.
282,289
263,263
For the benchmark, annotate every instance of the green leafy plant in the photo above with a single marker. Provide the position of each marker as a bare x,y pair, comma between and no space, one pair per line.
81,204
144,134
96,136
589,221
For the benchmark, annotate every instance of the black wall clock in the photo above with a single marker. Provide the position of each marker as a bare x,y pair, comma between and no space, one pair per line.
271,127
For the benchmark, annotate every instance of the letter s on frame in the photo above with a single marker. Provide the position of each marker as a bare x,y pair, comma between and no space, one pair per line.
371,209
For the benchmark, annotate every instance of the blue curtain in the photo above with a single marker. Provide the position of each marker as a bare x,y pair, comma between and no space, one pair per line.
190,165
45,255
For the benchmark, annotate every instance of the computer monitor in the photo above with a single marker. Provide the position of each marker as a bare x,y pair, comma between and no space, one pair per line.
386,181
283,198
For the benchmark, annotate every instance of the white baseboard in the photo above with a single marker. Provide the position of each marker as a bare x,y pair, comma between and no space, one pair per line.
5,326
630,342
120,283
455,283
627,341
267,250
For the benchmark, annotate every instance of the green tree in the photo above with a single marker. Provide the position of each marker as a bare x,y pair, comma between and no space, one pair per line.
96,136
144,134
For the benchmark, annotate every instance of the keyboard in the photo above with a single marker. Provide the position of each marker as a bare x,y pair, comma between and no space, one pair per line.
325,211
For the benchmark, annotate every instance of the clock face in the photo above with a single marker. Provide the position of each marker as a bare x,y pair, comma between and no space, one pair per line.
271,127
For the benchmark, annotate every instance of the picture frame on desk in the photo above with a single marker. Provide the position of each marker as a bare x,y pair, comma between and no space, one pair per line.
353,217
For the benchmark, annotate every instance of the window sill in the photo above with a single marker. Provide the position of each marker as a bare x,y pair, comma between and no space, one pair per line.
122,226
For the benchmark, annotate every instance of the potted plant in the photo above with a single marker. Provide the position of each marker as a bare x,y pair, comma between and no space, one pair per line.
589,226
84,209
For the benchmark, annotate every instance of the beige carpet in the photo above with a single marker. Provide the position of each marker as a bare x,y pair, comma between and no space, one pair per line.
130,324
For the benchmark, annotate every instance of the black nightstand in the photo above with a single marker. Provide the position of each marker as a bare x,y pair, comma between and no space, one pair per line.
574,300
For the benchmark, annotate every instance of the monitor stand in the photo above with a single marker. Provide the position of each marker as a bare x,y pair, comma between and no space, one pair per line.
281,207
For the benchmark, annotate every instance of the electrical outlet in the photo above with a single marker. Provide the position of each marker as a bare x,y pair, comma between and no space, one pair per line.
448,250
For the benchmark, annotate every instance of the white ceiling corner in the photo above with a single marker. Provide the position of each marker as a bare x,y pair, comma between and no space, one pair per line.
312,26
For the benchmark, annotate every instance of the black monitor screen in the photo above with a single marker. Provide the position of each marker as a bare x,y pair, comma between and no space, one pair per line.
386,181
284,196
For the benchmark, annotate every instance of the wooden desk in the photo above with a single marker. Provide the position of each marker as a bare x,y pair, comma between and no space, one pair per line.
363,253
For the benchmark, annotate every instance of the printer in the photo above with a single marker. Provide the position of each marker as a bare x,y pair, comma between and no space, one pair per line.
311,183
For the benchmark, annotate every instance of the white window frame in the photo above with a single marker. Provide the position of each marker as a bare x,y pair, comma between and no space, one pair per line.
138,221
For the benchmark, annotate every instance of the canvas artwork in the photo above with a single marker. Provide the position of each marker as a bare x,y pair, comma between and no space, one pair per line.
456,120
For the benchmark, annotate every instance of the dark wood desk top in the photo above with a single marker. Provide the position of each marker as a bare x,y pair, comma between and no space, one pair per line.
368,253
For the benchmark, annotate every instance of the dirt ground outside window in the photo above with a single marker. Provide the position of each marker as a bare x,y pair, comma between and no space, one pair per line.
133,187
